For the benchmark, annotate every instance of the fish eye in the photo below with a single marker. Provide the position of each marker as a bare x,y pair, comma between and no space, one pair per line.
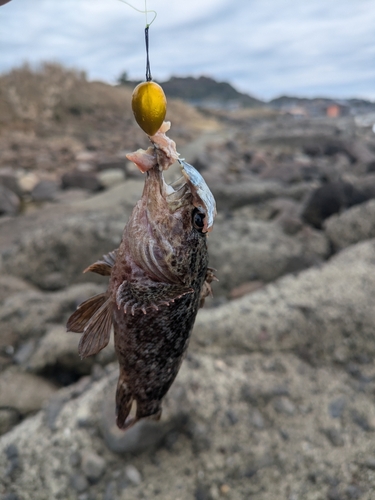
198,220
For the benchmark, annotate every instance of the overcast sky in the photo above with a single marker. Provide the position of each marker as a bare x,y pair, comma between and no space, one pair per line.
264,47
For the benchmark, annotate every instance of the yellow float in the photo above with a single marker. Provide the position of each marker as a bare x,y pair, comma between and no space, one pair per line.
149,106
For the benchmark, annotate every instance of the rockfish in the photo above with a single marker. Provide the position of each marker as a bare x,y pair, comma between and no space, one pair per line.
159,277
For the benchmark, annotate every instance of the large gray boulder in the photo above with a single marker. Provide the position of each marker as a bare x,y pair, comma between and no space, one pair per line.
55,255
354,225
26,315
52,247
235,195
9,202
325,313
243,250
241,426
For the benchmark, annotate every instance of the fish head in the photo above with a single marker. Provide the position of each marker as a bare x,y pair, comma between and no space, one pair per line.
169,224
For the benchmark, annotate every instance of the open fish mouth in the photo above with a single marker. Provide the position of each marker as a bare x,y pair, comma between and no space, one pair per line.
203,199
192,188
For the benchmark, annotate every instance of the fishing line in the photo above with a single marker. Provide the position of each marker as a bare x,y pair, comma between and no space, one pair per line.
145,11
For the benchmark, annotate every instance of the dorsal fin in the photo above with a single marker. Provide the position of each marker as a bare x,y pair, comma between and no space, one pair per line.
133,297
103,266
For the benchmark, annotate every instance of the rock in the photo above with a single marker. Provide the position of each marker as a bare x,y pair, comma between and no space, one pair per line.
334,494
257,419
55,255
295,312
81,179
247,250
362,153
334,436
337,407
93,466
292,172
112,164
22,392
67,457
353,225
9,202
132,171
45,190
28,181
71,196
25,316
57,353
370,463
288,215
79,483
111,177
284,405
327,200
245,288
24,352
86,156
9,417
231,196
361,420
8,179
133,474
10,285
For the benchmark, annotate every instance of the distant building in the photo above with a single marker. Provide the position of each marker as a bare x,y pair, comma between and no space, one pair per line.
333,111
336,110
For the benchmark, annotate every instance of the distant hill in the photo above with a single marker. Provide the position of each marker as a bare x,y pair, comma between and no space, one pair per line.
205,92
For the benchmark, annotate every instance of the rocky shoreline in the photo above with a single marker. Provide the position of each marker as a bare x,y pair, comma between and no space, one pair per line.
276,396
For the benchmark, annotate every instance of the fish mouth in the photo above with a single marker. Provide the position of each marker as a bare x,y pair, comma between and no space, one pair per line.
190,188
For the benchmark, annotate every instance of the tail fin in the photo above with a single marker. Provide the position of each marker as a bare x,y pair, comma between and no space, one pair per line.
126,414
124,401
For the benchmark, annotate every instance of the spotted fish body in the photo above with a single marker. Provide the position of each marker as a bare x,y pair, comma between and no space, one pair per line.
159,277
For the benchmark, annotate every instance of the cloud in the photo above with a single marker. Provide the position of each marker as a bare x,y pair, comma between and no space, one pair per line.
264,47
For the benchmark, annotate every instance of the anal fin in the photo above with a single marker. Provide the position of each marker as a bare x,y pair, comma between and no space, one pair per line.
132,297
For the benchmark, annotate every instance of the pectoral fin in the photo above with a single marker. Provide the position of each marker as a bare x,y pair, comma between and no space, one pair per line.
97,331
206,288
134,297
79,319
93,318
104,266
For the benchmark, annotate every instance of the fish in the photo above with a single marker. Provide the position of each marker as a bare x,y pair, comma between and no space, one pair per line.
158,279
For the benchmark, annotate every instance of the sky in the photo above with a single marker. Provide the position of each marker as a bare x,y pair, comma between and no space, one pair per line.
266,48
